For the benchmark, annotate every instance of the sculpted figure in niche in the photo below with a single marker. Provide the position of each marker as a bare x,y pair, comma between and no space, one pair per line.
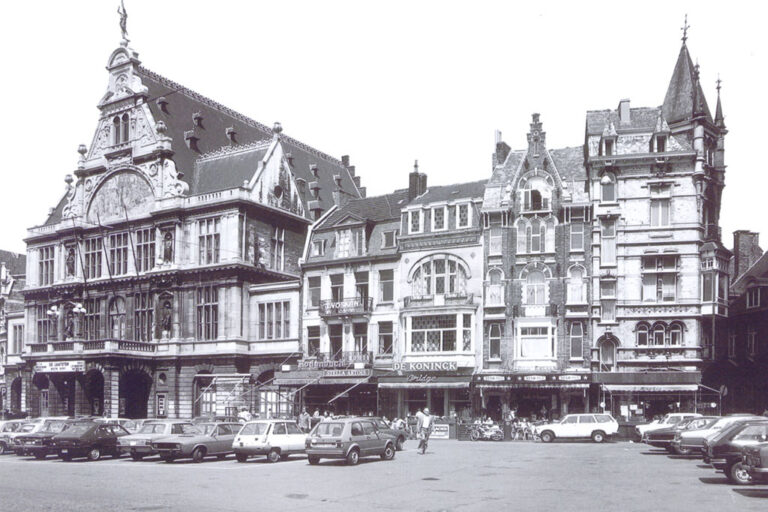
252,246
168,247
166,319
69,325
71,261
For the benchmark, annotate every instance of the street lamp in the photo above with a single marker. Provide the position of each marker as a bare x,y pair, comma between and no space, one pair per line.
55,312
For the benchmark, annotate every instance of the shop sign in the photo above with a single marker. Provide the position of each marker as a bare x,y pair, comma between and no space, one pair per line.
313,364
534,378
569,377
493,378
427,366
346,373
59,366
440,431
420,377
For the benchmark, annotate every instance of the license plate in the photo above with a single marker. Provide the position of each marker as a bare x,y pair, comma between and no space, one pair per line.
64,451
133,443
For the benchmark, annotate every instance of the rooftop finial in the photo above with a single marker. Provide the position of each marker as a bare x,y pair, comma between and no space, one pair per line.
718,84
685,28
123,22
415,166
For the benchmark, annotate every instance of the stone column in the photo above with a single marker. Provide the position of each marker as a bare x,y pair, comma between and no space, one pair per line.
111,392
82,405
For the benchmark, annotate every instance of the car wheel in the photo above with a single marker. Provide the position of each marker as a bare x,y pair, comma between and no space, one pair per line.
670,449
353,457
400,443
598,436
388,453
167,459
273,456
94,453
198,454
682,451
66,457
284,457
241,457
137,456
738,474
313,460
39,455
2,448
547,436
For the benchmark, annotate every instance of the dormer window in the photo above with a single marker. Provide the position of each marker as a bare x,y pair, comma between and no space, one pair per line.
608,146
658,144
389,238
318,247
439,218
536,192
753,298
415,221
463,216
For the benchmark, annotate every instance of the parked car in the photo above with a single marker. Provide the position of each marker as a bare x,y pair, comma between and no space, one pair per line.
398,435
575,426
40,443
349,439
128,424
10,437
198,441
139,444
6,428
88,439
277,439
663,437
755,462
725,450
669,420
216,419
692,441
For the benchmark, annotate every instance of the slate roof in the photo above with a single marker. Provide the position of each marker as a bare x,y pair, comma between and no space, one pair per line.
14,262
182,103
504,172
229,168
372,209
679,100
642,118
759,269
440,193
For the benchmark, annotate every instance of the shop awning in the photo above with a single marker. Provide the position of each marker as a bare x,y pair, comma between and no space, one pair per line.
650,388
533,385
427,382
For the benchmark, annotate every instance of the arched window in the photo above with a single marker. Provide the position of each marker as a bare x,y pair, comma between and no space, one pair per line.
494,341
608,188
117,318
441,274
116,130
577,340
536,238
124,128
495,287
534,288
535,200
576,293
642,333
675,334
659,333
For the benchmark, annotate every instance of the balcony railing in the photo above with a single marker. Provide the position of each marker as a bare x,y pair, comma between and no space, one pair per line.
91,346
535,311
448,299
344,307
349,357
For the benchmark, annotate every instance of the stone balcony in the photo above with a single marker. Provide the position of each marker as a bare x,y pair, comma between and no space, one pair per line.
448,299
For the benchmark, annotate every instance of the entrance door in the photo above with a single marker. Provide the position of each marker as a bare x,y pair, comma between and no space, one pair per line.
134,389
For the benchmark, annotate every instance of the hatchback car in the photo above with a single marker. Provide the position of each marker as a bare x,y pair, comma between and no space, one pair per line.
277,439
139,444
348,439
398,435
40,443
88,439
579,426
198,441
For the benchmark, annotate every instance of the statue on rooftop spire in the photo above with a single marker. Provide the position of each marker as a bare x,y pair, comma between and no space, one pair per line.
123,20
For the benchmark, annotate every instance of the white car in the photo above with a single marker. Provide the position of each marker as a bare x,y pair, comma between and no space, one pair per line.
669,420
277,439
8,428
597,426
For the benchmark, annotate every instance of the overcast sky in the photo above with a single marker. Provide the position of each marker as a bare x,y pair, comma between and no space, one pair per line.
384,82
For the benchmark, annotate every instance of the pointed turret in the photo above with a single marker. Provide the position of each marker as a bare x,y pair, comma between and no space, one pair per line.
684,97
719,119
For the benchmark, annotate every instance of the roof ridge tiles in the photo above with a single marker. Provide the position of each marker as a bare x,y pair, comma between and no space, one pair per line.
229,150
242,117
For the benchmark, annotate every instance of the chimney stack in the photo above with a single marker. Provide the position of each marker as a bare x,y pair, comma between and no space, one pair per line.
746,251
624,111
417,182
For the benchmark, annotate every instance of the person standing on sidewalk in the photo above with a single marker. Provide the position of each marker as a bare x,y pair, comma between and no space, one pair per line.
424,423
304,421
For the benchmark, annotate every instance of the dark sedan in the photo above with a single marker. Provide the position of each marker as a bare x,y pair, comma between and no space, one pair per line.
90,440
40,443
725,451
662,438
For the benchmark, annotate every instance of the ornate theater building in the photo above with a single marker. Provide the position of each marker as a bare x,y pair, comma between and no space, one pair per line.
166,281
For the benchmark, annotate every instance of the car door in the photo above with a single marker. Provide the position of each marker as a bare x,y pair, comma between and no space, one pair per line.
296,438
587,424
227,436
373,443
357,436
279,436
568,427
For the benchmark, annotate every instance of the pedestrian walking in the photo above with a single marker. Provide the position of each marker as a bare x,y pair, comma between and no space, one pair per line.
304,421
424,423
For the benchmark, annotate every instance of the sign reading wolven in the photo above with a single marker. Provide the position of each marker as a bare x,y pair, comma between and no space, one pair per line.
428,366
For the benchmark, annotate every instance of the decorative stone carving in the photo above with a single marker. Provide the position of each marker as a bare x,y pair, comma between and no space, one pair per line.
120,195
167,247
70,261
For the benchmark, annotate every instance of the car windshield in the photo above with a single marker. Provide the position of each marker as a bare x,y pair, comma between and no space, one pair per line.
254,429
153,428
188,428
78,428
328,429
753,433
53,426
28,427
207,428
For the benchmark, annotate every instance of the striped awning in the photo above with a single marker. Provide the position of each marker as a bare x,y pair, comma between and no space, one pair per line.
651,388
532,385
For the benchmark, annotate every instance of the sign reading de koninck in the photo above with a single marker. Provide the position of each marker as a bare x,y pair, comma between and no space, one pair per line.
428,366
